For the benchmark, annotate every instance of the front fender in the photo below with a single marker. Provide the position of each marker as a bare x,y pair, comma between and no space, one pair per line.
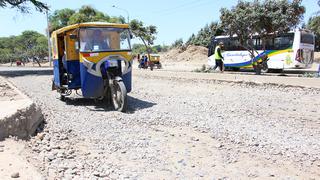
118,78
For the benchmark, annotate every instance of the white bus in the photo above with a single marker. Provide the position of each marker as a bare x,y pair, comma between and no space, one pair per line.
291,50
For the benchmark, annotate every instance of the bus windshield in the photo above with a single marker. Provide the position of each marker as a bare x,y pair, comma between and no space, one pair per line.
307,38
104,39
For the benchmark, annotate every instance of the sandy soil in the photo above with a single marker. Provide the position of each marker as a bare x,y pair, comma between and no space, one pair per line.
6,92
12,162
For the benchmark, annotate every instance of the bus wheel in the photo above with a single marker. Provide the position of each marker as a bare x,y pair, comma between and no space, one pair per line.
264,67
257,70
265,70
119,96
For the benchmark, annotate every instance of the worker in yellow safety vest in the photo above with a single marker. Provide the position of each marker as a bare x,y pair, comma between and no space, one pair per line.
218,57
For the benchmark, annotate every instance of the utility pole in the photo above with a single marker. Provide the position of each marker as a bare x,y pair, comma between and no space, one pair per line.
48,36
128,19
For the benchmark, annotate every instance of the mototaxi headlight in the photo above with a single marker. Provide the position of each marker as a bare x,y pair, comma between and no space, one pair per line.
113,63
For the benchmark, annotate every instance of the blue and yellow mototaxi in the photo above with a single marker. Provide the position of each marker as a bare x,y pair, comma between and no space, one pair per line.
94,58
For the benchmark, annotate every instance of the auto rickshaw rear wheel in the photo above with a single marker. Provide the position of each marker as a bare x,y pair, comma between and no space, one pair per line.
151,66
119,96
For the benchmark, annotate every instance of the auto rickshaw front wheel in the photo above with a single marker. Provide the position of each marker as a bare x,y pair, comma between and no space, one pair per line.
62,98
119,96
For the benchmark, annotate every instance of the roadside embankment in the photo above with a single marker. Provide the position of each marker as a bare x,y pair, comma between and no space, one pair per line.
19,116
281,81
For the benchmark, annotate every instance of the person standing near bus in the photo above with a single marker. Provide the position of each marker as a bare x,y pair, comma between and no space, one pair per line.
218,57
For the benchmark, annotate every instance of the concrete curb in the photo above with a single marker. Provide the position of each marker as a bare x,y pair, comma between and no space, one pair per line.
20,117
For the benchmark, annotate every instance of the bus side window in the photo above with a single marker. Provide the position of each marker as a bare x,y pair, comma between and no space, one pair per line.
210,51
214,44
258,44
269,44
283,42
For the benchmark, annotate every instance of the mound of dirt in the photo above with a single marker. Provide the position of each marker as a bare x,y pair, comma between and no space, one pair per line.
192,54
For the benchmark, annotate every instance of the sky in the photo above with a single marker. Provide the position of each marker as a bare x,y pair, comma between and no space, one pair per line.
174,18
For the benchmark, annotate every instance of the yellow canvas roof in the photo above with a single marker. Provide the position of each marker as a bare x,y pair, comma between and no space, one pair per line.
90,24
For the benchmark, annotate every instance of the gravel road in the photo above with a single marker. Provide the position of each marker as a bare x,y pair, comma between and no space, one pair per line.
178,128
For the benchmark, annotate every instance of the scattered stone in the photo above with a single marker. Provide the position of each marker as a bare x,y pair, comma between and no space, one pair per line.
15,175
60,155
194,139
200,174
40,136
252,175
96,173
219,145
271,175
51,157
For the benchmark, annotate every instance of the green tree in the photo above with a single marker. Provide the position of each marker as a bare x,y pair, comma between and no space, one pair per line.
205,34
191,40
64,17
40,51
141,48
7,49
145,33
87,14
30,45
22,5
177,43
5,55
60,18
314,26
260,17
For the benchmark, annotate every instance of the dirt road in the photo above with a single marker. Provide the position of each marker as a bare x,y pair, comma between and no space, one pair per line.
179,128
